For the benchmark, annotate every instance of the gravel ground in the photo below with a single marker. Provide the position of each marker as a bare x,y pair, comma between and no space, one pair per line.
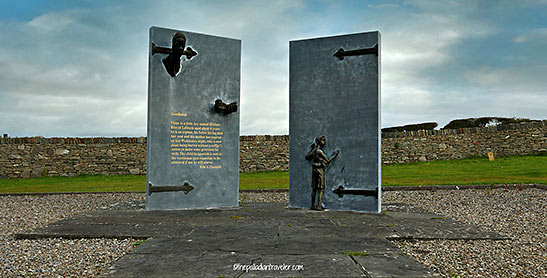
277,197
518,214
57,257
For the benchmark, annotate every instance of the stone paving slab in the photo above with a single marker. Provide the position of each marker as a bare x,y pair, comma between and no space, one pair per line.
207,243
261,219
394,264
188,258
224,265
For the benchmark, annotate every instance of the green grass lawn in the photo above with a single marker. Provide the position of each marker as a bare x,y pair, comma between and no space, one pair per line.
264,180
516,169
84,183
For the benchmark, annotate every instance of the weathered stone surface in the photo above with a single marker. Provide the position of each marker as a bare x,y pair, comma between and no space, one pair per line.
339,99
134,171
269,151
81,159
209,242
61,151
38,172
189,142
25,173
14,156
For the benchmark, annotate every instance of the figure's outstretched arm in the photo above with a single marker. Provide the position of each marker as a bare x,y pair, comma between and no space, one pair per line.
334,155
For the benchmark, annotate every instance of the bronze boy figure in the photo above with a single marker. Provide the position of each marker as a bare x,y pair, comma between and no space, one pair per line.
319,162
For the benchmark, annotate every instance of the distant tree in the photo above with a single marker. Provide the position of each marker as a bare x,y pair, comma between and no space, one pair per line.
412,127
484,121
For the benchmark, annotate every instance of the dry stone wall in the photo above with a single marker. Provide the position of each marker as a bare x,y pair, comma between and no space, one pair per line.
38,156
513,139
263,153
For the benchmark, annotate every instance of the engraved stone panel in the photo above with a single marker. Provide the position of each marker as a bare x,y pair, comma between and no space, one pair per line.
335,92
193,151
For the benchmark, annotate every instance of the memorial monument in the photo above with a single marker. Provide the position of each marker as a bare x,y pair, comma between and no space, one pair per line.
193,121
334,87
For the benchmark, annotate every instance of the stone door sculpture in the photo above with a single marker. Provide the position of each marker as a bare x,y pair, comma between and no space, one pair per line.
335,93
193,120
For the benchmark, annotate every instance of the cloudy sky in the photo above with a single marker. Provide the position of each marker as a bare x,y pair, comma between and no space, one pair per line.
79,68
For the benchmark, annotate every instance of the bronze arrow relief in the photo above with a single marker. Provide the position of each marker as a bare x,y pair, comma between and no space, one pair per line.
364,192
341,53
186,188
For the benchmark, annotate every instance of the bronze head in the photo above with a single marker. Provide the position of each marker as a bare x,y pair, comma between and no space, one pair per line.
178,44
321,141
172,61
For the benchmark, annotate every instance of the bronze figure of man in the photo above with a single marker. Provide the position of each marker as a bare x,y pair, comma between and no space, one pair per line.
319,162
172,61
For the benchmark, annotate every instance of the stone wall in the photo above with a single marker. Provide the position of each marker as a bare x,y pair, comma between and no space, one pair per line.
38,156
513,139
264,152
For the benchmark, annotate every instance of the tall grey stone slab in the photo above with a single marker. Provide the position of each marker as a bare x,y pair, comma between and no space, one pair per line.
193,151
339,99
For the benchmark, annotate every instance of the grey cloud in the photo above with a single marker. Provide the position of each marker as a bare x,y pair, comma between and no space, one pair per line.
83,71
419,66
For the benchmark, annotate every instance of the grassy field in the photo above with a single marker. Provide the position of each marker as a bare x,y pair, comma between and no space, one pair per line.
264,180
84,183
516,169
503,170
125,183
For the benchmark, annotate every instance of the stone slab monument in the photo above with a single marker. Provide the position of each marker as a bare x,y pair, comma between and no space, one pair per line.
334,123
193,121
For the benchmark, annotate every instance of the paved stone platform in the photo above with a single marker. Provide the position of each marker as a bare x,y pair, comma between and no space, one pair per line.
213,243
